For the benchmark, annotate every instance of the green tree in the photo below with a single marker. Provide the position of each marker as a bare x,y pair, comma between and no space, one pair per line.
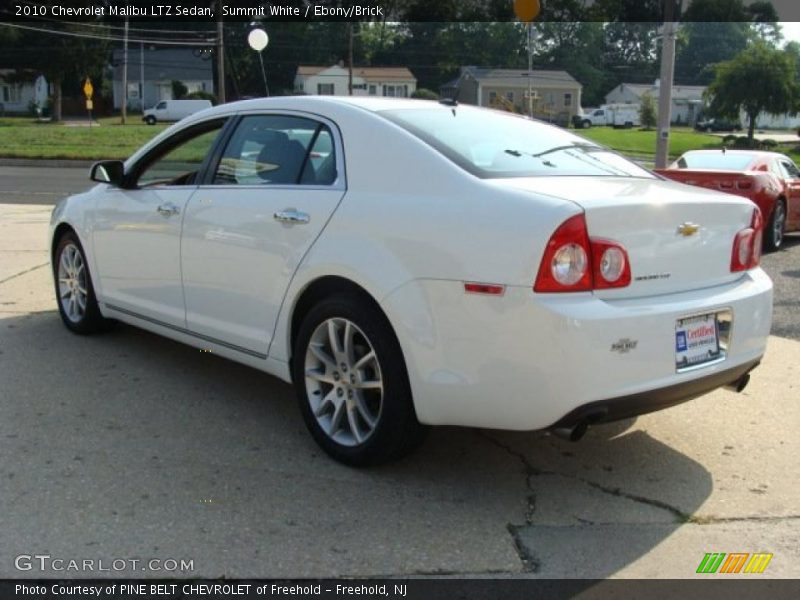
759,79
179,89
647,111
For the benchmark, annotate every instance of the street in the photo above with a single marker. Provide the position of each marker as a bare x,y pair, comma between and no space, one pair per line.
127,445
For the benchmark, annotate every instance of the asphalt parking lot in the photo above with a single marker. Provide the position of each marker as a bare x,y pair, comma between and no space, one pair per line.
129,446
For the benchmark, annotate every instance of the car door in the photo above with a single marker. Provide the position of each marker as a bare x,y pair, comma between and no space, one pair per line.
267,198
137,231
791,176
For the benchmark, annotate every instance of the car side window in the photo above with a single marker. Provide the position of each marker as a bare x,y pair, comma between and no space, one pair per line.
161,105
790,170
178,162
278,150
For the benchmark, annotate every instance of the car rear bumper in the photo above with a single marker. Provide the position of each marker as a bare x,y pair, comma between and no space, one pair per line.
525,361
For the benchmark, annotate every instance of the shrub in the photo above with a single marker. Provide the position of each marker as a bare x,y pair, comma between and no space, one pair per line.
425,94
198,95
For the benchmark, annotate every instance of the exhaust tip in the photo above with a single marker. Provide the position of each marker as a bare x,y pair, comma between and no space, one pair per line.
571,434
739,385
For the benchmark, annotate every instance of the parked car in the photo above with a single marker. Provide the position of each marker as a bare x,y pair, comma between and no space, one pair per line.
174,110
708,125
769,179
482,270
616,115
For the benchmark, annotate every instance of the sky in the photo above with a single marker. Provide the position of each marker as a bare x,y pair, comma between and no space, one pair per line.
791,31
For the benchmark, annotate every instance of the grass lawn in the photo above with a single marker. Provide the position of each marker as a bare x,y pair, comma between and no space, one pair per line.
24,137
642,144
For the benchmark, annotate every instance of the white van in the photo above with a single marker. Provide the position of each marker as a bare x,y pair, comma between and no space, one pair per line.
173,110
617,115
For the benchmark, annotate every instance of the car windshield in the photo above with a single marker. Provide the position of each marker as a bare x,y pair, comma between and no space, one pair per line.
492,144
719,161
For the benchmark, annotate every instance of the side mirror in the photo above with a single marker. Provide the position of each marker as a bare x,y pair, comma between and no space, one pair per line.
108,171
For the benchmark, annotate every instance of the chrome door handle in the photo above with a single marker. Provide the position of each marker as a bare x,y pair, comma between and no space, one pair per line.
167,209
292,216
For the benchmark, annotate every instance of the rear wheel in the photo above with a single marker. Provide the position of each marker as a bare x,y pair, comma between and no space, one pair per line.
77,303
773,236
352,384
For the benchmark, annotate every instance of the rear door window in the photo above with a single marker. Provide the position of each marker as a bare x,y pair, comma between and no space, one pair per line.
278,150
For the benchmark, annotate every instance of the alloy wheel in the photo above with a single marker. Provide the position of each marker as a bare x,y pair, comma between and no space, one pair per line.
344,384
72,289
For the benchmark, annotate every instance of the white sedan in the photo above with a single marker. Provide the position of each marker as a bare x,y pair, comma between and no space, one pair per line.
408,263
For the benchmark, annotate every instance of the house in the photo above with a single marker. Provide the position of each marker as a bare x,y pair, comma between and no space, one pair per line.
18,94
367,81
152,71
553,92
687,100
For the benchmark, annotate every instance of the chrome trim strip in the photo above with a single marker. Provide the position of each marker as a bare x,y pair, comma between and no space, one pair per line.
187,332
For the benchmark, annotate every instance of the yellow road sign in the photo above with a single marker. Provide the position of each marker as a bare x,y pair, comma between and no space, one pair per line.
527,10
88,89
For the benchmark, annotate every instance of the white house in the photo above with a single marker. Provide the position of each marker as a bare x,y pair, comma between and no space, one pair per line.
367,81
687,100
17,95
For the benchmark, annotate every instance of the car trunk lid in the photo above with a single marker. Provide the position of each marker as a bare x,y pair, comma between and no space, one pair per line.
677,238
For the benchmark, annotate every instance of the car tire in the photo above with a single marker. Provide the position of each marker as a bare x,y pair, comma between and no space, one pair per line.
352,384
586,124
150,120
773,234
77,303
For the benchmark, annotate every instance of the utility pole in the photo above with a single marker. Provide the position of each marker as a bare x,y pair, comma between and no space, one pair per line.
125,74
350,60
220,57
141,76
530,69
665,87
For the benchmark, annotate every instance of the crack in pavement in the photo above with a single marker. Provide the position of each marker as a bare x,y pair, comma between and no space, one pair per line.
530,562
2,281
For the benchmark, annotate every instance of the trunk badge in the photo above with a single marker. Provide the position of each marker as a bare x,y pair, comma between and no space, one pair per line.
624,345
688,229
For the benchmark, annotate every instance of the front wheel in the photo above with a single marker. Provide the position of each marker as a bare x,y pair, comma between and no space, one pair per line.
773,236
77,303
352,385
151,120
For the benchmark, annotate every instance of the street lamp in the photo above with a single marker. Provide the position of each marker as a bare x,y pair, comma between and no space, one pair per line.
258,40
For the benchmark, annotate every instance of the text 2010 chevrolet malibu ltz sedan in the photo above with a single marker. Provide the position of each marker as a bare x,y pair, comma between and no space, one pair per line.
408,263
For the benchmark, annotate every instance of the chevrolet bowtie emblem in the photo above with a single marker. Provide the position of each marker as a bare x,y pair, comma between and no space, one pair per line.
688,228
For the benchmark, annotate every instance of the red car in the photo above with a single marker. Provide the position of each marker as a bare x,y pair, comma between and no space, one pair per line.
769,179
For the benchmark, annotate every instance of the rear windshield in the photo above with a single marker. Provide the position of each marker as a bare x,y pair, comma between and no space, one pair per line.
492,144
719,161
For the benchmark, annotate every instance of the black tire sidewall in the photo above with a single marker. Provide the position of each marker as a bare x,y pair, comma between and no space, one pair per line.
92,319
397,418
770,243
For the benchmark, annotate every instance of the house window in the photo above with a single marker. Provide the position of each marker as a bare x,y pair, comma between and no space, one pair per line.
510,96
359,86
9,93
492,97
398,91
373,90
567,100
325,89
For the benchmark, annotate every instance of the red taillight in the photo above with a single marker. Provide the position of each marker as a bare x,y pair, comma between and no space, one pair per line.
573,262
747,245
611,266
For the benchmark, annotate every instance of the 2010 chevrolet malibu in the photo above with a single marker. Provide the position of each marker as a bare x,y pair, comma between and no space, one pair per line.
408,263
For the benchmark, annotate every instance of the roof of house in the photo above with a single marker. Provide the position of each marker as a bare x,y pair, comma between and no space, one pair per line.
183,64
516,77
679,92
366,73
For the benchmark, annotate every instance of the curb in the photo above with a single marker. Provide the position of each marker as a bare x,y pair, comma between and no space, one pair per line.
45,162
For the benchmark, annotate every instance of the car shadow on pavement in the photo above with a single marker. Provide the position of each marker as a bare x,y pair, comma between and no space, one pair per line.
128,444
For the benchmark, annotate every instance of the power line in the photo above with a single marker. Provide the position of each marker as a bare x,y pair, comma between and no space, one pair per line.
110,38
